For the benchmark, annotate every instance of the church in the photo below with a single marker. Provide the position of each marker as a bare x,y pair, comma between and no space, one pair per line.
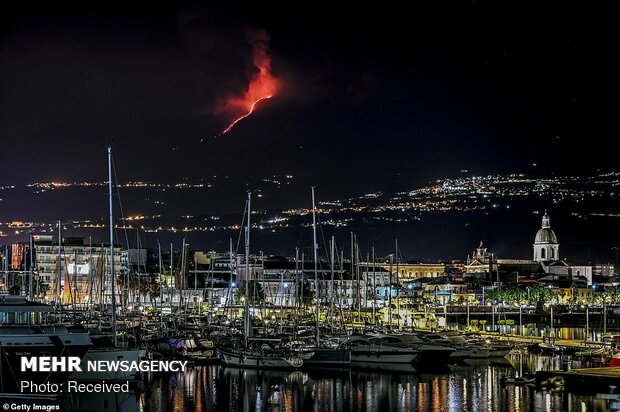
545,264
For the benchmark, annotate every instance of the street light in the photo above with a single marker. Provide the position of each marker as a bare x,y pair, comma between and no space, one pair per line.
528,296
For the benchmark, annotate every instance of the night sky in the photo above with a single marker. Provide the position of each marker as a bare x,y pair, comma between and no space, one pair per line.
364,98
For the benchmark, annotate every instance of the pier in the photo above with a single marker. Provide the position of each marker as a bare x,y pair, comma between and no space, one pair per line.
585,380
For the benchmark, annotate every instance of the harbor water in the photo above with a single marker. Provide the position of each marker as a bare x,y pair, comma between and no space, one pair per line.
473,385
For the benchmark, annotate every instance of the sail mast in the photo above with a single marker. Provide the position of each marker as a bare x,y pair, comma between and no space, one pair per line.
316,273
247,272
331,285
113,280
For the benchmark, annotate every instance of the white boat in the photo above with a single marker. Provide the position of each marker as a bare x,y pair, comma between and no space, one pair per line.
429,356
463,349
19,339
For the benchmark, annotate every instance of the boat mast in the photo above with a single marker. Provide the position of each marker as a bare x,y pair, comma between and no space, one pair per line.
316,273
352,273
59,276
331,285
247,273
374,288
390,296
30,283
398,287
161,287
113,280
298,290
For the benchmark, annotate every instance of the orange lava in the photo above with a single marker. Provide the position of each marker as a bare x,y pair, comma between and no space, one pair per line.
263,85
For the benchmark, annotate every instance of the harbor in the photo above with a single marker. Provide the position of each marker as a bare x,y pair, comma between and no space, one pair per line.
276,330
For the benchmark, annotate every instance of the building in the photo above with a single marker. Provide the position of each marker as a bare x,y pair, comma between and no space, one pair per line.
603,270
73,271
546,246
411,271
481,263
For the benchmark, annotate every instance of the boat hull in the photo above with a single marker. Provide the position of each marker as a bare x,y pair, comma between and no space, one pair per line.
259,361
329,357
14,346
434,356
381,355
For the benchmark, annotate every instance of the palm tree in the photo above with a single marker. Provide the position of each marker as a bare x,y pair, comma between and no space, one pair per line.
257,294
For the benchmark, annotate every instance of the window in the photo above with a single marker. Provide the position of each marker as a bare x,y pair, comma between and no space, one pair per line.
542,254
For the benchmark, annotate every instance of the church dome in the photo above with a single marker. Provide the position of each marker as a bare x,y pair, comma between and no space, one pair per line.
545,235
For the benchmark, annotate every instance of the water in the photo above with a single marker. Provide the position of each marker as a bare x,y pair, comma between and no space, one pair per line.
474,386
471,386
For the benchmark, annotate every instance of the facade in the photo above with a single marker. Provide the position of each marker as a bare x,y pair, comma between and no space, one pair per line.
411,271
481,263
73,271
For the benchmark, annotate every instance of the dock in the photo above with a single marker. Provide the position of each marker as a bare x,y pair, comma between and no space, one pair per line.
528,340
585,380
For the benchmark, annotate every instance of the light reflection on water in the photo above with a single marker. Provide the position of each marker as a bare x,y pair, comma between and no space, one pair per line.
469,387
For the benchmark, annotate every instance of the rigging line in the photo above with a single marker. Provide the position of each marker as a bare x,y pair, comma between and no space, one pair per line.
120,205
325,247
300,237
125,278
241,227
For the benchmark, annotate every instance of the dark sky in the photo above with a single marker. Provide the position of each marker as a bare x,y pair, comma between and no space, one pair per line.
366,93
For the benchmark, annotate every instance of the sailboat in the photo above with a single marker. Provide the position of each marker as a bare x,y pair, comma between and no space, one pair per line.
255,352
105,347
329,353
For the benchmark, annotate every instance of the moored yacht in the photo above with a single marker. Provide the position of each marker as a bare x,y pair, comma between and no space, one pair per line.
258,353
19,339
430,355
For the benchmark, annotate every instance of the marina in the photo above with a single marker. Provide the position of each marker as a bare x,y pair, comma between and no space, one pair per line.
246,336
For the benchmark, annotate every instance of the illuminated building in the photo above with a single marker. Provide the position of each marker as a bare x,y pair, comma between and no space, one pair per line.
81,272
411,271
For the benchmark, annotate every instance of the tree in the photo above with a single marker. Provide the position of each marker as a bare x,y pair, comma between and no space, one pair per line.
150,288
257,294
540,293
507,293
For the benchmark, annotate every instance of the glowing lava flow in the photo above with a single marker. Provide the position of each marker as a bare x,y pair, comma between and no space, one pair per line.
238,119
262,84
